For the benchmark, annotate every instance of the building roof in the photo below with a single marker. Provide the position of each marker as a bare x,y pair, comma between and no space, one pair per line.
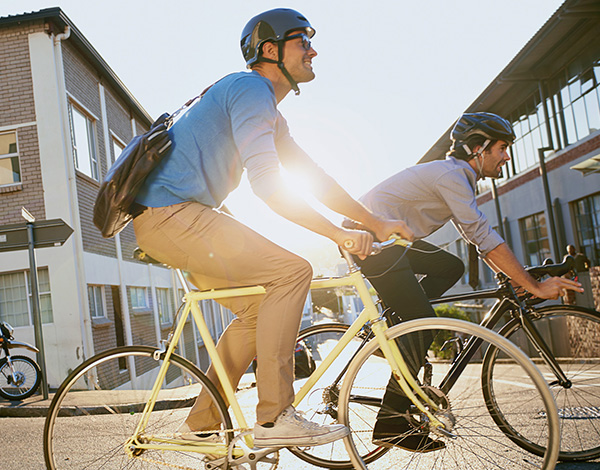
571,31
57,21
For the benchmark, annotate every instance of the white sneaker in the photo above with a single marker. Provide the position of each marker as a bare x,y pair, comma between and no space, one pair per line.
291,429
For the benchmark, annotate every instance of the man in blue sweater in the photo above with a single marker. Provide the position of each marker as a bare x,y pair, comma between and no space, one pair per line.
237,126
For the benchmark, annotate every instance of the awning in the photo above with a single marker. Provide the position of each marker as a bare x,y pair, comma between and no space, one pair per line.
589,166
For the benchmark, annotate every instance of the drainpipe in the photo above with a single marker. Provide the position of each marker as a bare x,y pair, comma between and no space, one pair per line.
125,313
62,36
498,211
549,211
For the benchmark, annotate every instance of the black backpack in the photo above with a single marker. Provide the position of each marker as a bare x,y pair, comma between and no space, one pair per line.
113,208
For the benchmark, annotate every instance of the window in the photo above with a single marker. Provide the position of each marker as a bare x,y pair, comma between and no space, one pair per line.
95,297
84,142
535,238
117,149
15,298
573,106
138,297
165,306
587,226
10,171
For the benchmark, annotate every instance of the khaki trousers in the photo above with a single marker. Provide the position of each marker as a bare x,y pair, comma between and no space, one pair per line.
218,251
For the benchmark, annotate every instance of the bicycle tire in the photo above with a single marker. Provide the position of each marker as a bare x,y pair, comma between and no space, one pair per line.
322,404
578,404
28,380
475,441
97,408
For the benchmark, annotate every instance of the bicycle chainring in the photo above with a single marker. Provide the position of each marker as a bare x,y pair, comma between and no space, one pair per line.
253,458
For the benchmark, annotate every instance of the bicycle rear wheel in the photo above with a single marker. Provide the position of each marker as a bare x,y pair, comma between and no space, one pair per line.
573,336
321,405
24,383
472,439
97,408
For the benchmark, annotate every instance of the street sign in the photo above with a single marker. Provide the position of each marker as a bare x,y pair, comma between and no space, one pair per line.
47,233
28,236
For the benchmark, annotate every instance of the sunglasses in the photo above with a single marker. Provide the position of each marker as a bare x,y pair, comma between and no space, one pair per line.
306,44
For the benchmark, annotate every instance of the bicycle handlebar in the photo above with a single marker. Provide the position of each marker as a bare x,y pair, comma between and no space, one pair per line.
378,247
553,269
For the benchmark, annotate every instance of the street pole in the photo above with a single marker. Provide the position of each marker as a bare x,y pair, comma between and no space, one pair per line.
548,199
35,301
498,211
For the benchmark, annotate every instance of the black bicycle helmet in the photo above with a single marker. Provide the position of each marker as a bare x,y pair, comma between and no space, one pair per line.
491,126
272,25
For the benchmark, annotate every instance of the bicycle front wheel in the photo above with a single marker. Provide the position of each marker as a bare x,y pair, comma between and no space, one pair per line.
469,438
573,337
25,380
97,408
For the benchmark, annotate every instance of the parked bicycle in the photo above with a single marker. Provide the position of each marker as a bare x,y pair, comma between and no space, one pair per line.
563,340
20,376
121,408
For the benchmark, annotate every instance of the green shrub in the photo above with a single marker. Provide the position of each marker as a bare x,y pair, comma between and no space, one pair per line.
448,311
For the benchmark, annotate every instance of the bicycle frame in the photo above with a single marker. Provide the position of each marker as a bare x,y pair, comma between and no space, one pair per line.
369,315
507,301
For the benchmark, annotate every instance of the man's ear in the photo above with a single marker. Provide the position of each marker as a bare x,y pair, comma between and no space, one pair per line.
476,150
270,50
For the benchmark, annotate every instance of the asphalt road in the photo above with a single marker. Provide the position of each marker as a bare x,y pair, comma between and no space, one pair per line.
21,437
21,444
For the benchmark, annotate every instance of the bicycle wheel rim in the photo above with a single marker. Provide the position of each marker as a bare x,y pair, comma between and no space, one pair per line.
321,405
477,442
577,348
28,378
88,428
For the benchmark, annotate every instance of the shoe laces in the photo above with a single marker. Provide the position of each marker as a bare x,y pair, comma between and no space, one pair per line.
305,423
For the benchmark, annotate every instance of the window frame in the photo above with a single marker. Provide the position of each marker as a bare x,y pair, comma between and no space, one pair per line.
97,292
116,142
591,250
44,295
12,155
91,140
164,305
542,242
137,290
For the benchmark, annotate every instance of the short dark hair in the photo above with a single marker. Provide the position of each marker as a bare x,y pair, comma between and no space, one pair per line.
457,150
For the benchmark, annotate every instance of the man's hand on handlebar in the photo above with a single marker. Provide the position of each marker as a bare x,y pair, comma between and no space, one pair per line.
389,227
554,287
357,242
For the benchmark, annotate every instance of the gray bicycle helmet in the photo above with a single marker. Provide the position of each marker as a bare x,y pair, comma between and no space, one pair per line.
272,25
491,126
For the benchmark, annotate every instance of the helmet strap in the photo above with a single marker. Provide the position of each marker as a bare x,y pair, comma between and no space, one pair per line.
286,74
479,162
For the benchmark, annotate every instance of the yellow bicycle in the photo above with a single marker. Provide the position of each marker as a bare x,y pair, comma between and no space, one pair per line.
122,407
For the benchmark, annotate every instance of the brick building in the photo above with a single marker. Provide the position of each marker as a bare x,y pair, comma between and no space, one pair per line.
549,195
64,117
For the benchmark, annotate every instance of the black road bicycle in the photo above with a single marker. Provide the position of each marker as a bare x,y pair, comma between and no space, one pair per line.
562,340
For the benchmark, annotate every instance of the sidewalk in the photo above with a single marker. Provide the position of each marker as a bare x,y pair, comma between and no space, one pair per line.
36,406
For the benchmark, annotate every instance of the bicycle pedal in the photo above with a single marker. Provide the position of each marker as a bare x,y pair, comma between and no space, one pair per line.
216,464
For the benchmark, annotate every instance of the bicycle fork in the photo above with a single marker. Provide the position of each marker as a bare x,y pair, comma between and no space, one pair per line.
543,350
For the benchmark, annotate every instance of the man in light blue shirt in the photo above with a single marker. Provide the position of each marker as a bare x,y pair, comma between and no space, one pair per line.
237,126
